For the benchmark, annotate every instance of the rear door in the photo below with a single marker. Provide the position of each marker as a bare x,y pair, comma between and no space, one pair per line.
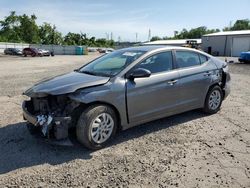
153,97
195,77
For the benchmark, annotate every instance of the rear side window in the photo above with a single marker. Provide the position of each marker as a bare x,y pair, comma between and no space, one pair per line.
160,62
187,59
203,58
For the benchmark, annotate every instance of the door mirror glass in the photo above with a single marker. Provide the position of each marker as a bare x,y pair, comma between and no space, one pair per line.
139,73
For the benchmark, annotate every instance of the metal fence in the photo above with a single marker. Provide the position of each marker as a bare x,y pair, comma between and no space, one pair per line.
4,45
57,49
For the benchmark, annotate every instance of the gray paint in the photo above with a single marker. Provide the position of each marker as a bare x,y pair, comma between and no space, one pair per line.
66,83
142,99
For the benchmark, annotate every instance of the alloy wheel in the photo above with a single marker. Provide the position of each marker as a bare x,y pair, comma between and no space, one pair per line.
102,128
214,100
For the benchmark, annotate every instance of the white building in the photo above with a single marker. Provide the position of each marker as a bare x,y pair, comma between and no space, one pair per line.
172,42
228,43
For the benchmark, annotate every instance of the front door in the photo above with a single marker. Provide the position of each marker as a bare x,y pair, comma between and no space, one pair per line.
153,97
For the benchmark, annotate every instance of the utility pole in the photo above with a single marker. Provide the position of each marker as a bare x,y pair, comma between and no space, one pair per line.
136,37
230,24
111,36
149,34
119,39
107,36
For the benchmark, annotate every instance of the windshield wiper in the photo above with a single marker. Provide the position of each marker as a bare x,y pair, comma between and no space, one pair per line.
93,73
76,70
87,72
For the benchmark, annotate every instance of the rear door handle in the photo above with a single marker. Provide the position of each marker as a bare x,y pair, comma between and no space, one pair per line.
207,73
172,82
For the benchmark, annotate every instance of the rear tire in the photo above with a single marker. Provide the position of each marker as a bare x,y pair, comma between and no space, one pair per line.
96,126
213,100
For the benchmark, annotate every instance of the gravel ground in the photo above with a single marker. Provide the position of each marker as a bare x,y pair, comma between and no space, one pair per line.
186,150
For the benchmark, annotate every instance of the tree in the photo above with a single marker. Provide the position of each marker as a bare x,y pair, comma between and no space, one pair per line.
19,28
23,28
73,39
194,33
92,41
49,35
155,38
101,42
10,28
29,29
239,25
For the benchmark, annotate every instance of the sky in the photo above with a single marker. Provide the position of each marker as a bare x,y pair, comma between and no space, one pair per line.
125,18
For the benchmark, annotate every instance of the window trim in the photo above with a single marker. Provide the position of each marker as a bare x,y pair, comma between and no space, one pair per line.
158,52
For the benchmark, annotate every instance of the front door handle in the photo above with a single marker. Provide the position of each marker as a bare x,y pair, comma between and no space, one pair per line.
172,82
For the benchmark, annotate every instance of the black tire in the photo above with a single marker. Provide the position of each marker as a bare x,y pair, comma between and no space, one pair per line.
83,127
207,108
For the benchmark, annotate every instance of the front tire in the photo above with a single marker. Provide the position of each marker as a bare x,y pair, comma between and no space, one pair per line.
213,100
96,126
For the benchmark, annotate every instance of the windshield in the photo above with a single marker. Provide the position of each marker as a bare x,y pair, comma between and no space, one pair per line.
111,64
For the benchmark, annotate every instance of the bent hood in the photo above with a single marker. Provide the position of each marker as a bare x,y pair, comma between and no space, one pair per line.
64,84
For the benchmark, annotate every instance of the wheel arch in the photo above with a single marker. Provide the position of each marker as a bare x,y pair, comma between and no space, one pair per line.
205,108
83,106
221,86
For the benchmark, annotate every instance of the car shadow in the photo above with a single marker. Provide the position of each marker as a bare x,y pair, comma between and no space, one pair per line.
19,149
157,125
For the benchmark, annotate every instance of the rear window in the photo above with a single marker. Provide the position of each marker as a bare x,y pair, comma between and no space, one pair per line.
187,59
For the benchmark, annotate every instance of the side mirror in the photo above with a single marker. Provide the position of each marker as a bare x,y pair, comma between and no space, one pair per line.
139,73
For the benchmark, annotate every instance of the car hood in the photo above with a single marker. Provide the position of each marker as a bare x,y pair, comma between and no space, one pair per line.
64,84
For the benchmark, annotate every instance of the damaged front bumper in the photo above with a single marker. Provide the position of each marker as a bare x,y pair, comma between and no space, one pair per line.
51,128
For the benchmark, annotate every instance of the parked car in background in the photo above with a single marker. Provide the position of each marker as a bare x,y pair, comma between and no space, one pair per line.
92,50
31,52
109,50
244,57
105,50
125,88
46,52
12,51
101,50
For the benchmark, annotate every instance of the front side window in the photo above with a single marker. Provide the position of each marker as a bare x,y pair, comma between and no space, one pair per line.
187,59
111,64
160,62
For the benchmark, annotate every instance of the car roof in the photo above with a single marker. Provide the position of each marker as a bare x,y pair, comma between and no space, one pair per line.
148,48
